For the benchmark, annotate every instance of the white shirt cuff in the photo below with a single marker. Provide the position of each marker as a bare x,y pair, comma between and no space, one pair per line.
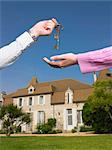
25,40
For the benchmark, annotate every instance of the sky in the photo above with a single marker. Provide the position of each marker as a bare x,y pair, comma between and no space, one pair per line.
87,26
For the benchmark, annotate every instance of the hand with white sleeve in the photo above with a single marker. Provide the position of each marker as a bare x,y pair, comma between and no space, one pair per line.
43,28
10,52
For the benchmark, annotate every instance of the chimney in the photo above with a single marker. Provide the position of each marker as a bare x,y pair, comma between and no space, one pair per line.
94,76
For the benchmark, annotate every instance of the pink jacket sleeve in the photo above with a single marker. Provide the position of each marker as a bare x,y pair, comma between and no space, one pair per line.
95,60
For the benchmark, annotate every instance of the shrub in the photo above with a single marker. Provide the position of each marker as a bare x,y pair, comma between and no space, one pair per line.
58,131
44,128
74,130
86,128
47,127
52,122
35,132
52,132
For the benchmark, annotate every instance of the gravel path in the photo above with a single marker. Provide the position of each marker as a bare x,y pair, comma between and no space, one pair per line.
61,134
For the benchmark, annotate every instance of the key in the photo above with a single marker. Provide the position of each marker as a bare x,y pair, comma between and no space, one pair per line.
58,28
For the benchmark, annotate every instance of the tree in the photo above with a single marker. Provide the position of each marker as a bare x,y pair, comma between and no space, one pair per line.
12,118
97,111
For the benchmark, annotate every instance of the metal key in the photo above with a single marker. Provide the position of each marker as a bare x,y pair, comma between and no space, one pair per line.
58,28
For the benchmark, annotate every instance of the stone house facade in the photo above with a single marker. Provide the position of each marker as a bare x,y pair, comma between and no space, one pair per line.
62,99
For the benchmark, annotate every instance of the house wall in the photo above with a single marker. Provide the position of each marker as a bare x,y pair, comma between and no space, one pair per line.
57,111
47,108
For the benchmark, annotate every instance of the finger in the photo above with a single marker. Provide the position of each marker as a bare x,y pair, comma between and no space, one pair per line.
48,28
55,21
46,59
50,25
52,63
57,57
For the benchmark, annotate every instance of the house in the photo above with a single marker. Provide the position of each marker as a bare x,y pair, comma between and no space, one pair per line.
61,99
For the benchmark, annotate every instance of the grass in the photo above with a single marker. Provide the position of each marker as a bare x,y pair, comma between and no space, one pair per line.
102,142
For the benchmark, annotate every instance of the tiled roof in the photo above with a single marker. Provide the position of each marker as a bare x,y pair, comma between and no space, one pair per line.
82,95
57,89
104,75
38,90
58,98
78,96
62,85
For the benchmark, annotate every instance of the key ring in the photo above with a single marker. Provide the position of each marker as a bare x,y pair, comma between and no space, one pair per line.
58,28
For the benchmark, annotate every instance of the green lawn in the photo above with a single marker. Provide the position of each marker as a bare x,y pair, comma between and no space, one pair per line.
102,142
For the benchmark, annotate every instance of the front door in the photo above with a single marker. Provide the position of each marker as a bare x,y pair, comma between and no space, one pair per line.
69,119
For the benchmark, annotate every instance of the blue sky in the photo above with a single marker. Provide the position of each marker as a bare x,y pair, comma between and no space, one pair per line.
87,26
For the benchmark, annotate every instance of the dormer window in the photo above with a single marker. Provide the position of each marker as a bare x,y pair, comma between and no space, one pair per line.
31,89
69,96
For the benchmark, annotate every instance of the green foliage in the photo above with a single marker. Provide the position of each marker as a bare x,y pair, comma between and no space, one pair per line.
58,131
97,111
52,122
47,128
2,132
86,128
12,118
73,130
44,128
52,132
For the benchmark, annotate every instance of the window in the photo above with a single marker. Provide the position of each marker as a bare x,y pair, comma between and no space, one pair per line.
31,89
69,113
41,117
30,101
41,99
79,116
68,97
20,102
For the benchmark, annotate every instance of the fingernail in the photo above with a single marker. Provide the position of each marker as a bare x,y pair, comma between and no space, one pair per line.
52,58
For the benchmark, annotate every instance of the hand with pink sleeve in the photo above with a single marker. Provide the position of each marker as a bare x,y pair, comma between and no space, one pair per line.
95,60
88,62
60,61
